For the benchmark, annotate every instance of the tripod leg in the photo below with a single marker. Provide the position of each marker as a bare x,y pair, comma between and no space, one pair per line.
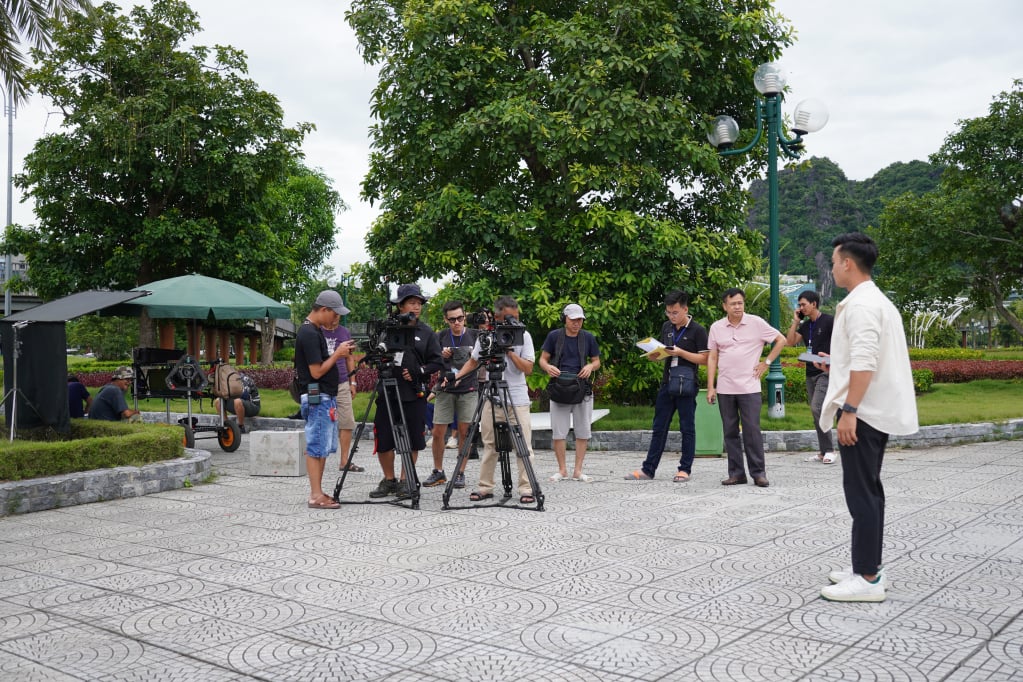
521,447
463,454
402,442
356,438
502,434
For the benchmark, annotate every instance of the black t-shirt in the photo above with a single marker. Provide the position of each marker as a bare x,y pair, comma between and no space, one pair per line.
691,338
311,349
820,331
462,346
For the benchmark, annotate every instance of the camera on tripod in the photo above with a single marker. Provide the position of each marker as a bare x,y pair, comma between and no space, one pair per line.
483,319
503,337
388,336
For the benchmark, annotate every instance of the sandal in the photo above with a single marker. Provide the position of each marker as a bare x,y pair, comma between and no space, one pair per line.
829,458
527,499
479,497
353,468
813,458
681,477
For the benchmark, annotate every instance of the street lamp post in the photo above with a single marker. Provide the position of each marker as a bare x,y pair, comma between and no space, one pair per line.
810,116
9,112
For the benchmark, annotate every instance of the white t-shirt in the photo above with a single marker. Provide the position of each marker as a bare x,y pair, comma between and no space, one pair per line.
517,387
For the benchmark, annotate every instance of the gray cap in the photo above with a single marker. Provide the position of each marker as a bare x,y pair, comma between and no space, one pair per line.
123,372
331,299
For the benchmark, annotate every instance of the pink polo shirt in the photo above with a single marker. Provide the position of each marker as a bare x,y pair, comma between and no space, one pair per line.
739,349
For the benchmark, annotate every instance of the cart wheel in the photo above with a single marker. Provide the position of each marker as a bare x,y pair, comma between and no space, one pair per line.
189,438
229,436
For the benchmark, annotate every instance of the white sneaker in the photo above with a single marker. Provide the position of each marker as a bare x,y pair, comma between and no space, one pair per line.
452,443
839,576
855,589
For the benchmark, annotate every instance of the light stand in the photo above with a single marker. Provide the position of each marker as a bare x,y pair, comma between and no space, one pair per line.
810,116
15,390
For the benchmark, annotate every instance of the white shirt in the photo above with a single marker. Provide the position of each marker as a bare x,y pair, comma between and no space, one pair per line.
869,337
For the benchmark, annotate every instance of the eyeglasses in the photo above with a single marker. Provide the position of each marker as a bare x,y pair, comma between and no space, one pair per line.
460,318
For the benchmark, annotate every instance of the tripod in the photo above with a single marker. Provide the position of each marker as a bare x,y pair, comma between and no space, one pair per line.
494,394
15,391
387,388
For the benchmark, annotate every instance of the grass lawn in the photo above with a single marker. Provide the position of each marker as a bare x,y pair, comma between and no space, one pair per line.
977,401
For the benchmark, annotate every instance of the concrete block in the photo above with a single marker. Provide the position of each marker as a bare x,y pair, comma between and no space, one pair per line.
277,453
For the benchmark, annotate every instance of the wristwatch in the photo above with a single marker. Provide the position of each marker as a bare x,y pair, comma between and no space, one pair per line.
848,408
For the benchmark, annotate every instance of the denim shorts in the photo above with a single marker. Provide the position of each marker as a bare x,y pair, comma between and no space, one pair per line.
320,430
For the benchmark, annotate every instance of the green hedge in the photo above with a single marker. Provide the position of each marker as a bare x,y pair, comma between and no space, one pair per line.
91,445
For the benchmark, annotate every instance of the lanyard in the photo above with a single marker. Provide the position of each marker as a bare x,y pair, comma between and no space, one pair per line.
452,335
809,339
676,337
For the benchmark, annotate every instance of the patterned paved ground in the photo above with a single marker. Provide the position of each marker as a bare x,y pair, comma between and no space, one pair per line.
617,580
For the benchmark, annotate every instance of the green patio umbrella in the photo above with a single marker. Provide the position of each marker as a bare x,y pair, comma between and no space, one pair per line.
198,297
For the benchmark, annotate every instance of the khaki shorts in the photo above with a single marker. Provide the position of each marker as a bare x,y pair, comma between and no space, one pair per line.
345,411
445,405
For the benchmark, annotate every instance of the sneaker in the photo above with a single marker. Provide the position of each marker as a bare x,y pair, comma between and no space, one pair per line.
387,487
839,576
436,478
402,493
452,443
242,428
855,589
459,480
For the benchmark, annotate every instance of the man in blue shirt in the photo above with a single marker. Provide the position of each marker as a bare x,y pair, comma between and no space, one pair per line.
110,405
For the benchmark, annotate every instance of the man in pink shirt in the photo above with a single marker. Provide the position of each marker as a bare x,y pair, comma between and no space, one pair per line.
736,343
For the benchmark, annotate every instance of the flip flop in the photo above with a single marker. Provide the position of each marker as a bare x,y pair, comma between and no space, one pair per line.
324,505
527,499
638,475
353,468
557,477
681,477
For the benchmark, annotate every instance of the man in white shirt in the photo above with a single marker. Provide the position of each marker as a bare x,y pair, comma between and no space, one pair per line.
519,361
871,389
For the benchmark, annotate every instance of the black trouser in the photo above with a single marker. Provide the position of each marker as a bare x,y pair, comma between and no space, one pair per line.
864,496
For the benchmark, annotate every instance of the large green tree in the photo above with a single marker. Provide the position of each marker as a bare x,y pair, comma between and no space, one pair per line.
28,21
966,237
557,150
169,160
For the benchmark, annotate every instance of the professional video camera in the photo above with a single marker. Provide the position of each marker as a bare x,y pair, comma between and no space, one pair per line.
483,319
504,335
387,337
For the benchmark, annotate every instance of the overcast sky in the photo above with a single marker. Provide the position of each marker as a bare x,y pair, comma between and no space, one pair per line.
895,75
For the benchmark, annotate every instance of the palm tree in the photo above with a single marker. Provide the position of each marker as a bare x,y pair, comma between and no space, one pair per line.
27,21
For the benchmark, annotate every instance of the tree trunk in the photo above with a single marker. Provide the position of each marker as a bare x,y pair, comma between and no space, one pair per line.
147,331
268,332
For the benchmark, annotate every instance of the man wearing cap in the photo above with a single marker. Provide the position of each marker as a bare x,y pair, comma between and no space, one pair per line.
316,368
416,367
337,335
110,404
575,354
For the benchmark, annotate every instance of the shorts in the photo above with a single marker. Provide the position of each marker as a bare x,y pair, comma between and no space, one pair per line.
320,430
577,416
448,405
250,408
415,424
345,411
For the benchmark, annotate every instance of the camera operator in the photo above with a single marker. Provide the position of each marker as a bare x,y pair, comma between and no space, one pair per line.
519,360
318,376
454,401
417,365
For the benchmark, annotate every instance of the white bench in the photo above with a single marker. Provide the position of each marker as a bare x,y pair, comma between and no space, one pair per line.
541,421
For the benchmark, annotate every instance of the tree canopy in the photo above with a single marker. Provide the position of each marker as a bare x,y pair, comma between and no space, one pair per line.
965,237
169,161
556,151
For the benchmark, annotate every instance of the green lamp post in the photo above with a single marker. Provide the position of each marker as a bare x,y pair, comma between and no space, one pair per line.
810,116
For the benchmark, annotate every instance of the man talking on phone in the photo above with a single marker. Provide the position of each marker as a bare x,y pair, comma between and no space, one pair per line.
812,327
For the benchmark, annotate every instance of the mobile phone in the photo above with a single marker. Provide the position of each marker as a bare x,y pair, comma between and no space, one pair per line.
800,314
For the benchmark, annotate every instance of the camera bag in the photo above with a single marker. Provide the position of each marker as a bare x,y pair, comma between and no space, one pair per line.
568,389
